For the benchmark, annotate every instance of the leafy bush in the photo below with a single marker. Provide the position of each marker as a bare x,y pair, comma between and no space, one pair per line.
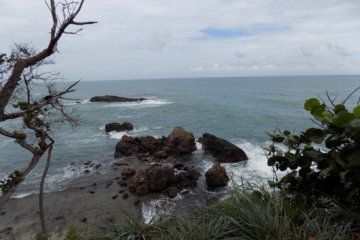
322,162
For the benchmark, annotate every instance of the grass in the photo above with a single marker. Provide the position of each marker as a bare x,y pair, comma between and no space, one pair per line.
249,213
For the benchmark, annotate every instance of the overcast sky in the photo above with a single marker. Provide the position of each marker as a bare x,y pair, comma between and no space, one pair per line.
138,39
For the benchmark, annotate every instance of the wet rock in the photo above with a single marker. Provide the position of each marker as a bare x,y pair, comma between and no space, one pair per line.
120,164
91,192
121,191
193,173
97,166
139,184
136,202
109,98
179,165
87,171
179,142
83,219
221,149
128,171
126,126
172,192
162,178
125,196
216,176
114,197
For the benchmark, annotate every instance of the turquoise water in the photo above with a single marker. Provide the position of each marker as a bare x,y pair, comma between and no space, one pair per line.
240,110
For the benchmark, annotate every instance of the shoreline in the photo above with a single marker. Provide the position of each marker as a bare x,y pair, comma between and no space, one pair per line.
90,200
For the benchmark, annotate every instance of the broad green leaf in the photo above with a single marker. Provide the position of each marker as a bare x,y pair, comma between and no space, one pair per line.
311,103
356,111
339,107
327,116
342,118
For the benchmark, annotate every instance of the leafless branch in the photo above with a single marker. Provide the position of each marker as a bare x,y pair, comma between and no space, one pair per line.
352,93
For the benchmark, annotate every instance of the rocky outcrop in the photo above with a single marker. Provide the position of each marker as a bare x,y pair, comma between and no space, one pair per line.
126,126
109,98
163,178
179,142
216,176
128,171
221,149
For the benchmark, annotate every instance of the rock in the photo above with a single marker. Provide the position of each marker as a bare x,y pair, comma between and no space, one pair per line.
139,184
108,98
216,176
221,149
83,219
181,141
139,146
121,191
179,165
125,196
160,176
114,197
136,202
128,171
193,173
172,192
125,126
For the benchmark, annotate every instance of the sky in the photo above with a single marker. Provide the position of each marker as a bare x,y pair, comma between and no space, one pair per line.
141,39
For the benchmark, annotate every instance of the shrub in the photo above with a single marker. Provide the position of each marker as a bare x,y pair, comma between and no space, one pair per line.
321,163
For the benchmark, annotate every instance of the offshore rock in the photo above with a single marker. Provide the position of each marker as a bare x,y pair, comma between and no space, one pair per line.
216,176
108,98
221,149
126,126
178,143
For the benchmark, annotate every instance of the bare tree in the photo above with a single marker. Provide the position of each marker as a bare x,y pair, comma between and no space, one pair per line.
18,72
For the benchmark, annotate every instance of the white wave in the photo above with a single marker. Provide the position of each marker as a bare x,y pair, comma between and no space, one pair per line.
155,208
22,195
126,116
133,133
198,145
142,104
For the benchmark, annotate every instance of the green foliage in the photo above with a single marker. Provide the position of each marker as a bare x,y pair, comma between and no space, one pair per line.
322,161
72,234
250,213
13,179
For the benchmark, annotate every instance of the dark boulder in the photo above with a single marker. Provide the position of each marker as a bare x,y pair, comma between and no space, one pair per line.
221,149
126,126
216,176
139,184
128,171
141,147
178,143
109,98
162,178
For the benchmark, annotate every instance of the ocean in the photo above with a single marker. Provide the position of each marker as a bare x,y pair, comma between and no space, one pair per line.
240,110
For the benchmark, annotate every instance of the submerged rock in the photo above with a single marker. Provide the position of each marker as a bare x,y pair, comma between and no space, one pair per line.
126,126
108,98
221,149
178,143
216,176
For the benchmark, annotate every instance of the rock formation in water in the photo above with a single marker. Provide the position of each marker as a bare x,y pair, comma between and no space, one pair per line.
163,178
126,126
216,176
221,149
109,98
178,143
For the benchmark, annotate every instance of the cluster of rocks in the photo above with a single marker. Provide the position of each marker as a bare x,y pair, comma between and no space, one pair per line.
164,178
109,98
178,143
119,127
172,179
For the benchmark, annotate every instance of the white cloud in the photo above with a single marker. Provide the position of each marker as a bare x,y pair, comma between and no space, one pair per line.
162,38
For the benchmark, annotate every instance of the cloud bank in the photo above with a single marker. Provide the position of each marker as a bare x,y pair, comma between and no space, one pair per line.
173,38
